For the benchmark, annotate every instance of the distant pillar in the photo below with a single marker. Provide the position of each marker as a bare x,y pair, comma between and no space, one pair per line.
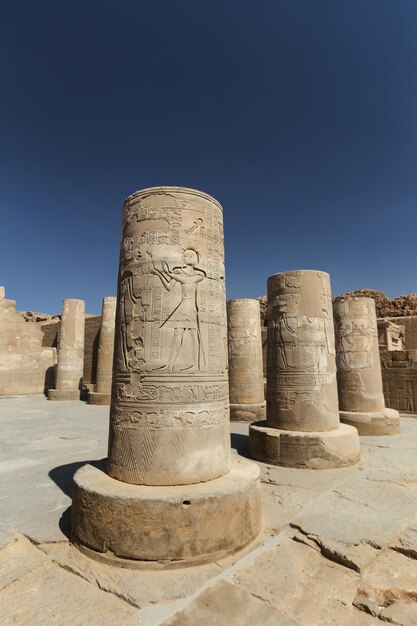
172,491
102,393
70,352
245,361
302,427
359,377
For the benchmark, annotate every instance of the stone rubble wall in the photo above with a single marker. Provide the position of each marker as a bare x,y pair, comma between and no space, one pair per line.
28,350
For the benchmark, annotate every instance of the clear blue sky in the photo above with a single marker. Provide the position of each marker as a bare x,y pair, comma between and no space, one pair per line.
300,117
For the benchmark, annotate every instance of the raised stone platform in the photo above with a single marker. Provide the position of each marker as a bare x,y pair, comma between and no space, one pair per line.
64,394
309,450
386,422
247,412
95,397
145,526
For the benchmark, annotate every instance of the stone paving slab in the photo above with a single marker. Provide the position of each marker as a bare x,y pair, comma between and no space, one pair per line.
338,547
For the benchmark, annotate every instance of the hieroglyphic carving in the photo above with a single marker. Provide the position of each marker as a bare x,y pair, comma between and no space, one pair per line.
357,355
245,353
301,364
355,333
171,319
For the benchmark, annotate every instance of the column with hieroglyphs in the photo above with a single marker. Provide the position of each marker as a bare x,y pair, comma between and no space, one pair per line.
361,397
302,428
245,360
102,393
172,491
69,372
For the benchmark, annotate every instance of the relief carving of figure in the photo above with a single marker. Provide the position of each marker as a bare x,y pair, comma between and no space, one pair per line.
184,318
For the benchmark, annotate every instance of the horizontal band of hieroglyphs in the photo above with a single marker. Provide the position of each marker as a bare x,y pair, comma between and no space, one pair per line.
174,393
303,380
157,419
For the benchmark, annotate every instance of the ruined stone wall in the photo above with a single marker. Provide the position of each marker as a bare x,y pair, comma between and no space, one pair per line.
399,378
91,338
26,365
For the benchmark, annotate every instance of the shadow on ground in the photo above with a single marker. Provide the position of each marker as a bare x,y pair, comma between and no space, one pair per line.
62,476
241,444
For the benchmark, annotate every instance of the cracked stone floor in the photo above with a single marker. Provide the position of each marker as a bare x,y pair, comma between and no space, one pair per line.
338,547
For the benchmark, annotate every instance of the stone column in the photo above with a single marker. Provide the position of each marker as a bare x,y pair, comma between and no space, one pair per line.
69,371
359,377
245,360
302,427
102,393
172,491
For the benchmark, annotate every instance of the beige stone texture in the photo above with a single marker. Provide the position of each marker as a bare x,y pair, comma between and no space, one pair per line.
361,398
302,427
102,393
246,381
399,378
169,417
172,494
338,547
26,366
69,371
170,525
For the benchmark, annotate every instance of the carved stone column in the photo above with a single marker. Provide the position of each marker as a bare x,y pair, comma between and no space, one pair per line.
171,484
302,427
102,393
359,377
69,371
245,360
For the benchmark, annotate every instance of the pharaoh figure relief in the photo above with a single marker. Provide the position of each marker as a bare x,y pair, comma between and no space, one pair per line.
171,344
301,390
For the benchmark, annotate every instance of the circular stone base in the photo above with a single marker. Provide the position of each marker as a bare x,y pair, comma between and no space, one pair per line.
317,450
63,394
247,412
94,397
386,422
165,526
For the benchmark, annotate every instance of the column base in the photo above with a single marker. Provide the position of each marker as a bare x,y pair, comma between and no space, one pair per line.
247,412
306,450
63,394
94,397
160,527
386,422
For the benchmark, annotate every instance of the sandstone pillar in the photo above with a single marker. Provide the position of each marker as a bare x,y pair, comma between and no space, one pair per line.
302,427
102,393
69,371
361,398
172,491
245,360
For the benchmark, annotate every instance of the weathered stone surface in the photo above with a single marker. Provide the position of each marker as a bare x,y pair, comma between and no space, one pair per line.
170,412
18,558
69,370
102,393
406,543
139,588
320,450
168,524
26,367
302,428
361,398
49,595
296,579
356,518
301,391
388,589
246,381
224,603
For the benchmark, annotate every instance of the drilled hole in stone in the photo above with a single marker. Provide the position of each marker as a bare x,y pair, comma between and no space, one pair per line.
186,503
